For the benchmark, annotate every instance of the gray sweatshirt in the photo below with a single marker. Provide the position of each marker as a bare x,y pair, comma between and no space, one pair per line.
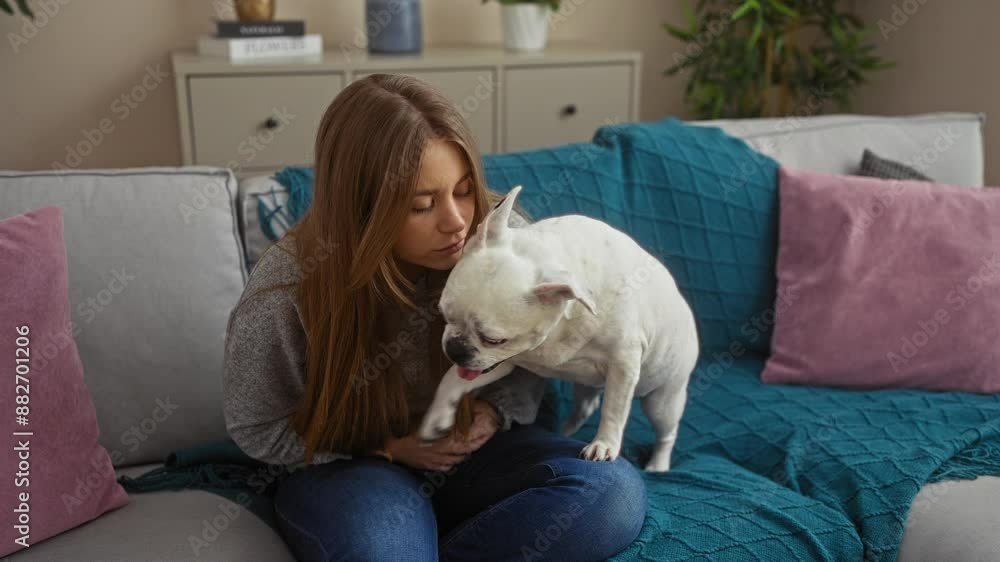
264,369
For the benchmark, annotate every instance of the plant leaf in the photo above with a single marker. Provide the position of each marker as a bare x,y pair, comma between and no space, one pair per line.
867,30
6,7
678,32
838,32
755,34
23,5
746,7
692,21
783,8
817,62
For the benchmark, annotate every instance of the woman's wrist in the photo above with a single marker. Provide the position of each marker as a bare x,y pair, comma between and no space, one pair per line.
386,451
500,416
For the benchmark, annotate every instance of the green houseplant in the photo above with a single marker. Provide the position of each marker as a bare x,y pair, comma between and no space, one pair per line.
759,58
20,5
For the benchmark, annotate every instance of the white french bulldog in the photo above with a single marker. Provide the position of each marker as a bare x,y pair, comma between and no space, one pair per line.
571,298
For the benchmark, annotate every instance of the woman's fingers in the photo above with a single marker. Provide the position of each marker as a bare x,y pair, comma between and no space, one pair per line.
445,463
479,433
449,457
456,446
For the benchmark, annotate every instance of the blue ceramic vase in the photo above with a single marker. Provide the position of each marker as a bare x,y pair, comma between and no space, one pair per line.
393,26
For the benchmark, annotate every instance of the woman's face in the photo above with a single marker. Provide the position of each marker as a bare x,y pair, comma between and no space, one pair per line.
441,211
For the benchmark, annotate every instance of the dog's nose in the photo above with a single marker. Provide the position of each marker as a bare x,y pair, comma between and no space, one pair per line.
457,351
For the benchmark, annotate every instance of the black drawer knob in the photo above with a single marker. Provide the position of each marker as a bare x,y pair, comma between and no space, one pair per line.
271,123
569,110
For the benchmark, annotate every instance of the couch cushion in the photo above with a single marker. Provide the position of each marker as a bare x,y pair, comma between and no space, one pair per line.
916,303
54,447
874,166
946,146
155,266
953,520
262,194
165,526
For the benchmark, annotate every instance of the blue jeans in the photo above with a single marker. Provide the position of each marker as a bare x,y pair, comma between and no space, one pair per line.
524,495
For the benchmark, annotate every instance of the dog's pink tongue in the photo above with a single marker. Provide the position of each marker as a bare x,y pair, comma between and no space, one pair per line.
468,374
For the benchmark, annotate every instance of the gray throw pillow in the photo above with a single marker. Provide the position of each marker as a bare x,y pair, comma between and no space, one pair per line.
873,165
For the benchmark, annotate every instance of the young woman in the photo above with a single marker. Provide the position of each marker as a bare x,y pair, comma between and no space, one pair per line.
333,354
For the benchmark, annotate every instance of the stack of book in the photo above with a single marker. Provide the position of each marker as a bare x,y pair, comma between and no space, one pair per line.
244,41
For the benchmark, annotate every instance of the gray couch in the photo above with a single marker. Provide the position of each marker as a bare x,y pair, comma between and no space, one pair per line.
152,351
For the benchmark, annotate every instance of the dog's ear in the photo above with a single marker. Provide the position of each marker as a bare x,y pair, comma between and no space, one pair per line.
560,286
494,228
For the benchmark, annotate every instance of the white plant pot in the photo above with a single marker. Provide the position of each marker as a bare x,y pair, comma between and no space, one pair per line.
525,26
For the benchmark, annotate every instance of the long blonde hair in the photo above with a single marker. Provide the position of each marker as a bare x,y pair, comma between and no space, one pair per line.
369,148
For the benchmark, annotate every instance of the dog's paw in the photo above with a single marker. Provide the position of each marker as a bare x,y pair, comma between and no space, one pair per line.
657,465
436,426
600,450
659,461
433,434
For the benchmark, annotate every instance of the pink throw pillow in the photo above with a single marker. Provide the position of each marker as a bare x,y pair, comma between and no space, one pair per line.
56,476
887,284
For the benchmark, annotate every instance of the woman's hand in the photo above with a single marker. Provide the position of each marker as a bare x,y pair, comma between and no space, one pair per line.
445,453
485,423
439,455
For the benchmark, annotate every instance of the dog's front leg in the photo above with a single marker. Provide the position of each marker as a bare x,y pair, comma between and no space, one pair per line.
440,416
619,388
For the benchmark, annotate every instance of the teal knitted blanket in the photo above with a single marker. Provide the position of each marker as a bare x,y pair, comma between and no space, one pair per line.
779,472
220,467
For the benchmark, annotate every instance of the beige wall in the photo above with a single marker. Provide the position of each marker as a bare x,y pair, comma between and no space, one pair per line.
71,75
946,55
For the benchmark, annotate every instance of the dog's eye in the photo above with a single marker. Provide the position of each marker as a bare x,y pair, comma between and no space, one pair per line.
490,341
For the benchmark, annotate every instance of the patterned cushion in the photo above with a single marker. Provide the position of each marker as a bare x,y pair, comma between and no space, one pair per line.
263,215
874,166
701,201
